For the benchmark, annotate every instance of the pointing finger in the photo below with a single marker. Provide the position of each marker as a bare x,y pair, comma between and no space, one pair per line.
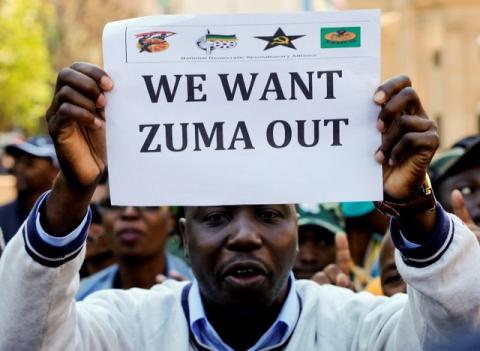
343,258
459,208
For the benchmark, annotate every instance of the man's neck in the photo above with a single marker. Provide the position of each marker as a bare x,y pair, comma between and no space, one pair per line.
100,261
140,273
239,329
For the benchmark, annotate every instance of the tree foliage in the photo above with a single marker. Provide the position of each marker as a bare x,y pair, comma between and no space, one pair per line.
39,37
25,71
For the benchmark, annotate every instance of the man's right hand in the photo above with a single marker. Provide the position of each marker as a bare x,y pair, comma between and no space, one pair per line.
76,121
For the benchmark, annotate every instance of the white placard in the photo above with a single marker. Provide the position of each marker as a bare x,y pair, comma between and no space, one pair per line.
243,109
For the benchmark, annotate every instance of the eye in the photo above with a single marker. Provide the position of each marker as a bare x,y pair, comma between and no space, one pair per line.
466,190
215,218
268,215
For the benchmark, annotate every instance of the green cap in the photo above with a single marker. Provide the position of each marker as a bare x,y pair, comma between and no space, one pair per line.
356,209
326,216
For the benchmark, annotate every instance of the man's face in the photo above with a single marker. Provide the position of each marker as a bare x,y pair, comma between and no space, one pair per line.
241,255
138,232
316,251
34,174
468,182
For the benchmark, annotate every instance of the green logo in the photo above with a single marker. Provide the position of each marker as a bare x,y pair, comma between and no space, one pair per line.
340,37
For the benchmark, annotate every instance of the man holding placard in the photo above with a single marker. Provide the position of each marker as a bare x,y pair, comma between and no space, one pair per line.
243,296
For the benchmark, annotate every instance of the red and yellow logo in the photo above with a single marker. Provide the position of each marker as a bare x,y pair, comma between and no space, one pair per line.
153,41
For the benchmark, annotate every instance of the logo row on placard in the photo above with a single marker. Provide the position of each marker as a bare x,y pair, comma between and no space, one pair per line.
337,37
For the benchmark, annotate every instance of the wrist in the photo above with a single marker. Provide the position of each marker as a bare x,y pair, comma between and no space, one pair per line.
423,201
65,206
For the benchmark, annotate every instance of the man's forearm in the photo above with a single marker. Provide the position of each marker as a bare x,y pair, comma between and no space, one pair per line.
65,206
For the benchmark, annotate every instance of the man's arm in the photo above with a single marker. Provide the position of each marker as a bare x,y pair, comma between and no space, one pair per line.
39,268
436,254
76,122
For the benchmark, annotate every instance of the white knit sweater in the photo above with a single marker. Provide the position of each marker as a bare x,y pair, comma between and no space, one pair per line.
38,309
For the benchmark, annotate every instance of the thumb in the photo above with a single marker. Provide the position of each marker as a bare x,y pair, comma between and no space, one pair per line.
160,278
459,208
343,258
177,276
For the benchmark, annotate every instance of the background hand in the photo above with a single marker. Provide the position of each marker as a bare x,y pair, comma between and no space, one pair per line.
338,273
461,211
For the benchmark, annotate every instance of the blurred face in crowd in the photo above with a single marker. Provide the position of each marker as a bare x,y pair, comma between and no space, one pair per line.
34,174
391,280
316,250
137,232
241,255
468,182
99,242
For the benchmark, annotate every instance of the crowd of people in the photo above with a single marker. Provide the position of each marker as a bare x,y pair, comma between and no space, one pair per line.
395,275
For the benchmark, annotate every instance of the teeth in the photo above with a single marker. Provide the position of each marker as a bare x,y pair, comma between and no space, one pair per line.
245,271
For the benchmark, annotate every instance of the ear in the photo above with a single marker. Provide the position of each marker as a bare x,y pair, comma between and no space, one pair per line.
182,224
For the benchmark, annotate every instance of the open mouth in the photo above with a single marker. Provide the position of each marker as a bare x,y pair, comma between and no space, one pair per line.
245,275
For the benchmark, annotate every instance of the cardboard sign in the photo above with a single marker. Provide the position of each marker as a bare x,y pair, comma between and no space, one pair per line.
243,109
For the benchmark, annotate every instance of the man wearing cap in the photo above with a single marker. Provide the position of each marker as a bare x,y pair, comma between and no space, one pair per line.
243,296
35,168
365,227
455,176
317,227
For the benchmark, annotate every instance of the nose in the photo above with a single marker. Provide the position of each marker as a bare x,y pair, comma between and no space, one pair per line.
245,235
130,213
308,254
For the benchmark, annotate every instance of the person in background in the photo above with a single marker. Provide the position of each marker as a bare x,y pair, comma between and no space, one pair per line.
138,236
35,167
365,227
391,280
317,227
455,176
174,242
99,253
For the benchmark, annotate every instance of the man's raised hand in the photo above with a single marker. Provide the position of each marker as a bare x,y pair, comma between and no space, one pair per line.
409,139
76,121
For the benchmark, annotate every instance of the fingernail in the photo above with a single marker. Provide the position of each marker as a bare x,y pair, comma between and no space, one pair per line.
379,157
379,97
100,101
106,83
380,125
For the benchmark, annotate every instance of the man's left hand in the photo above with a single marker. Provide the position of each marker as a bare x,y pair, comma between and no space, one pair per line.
409,139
